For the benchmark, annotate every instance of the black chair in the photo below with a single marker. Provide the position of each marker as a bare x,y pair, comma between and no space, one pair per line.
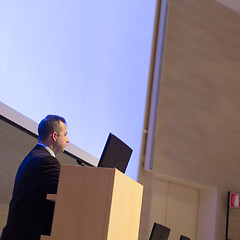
184,238
159,232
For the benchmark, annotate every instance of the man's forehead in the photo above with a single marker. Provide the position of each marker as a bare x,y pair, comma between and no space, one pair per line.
63,125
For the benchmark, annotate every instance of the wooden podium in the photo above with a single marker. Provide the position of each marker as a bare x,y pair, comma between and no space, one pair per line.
95,204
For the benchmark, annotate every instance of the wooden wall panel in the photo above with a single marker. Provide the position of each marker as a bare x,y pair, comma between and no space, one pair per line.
198,115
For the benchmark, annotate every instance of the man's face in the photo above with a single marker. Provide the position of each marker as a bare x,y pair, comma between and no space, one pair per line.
62,139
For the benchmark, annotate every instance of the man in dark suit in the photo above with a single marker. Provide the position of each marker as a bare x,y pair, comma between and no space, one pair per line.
30,214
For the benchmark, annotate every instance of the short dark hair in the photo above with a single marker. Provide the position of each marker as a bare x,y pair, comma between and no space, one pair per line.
50,124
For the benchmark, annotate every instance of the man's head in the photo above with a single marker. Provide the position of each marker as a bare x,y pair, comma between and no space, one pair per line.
52,131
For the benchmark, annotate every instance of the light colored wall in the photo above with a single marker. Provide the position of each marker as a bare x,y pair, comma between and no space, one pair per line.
175,206
187,208
197,134
3,215
233,229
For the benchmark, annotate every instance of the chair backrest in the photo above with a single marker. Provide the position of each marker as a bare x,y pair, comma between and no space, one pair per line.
159,232
184,238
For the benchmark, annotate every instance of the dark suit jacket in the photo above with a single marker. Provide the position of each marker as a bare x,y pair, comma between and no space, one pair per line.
30,214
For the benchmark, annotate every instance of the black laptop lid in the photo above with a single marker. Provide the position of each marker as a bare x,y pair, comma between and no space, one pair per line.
116,154
159,232
184,238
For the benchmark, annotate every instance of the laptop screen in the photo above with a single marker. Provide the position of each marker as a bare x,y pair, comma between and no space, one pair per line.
159,232
116,154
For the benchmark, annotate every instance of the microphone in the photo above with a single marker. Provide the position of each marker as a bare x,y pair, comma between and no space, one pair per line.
79,161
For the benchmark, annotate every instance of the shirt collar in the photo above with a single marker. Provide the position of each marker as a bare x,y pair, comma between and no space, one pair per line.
48,149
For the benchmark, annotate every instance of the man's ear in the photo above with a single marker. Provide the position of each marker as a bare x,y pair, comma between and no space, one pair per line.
54,136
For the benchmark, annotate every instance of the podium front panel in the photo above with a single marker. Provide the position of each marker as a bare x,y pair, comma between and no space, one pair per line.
96,204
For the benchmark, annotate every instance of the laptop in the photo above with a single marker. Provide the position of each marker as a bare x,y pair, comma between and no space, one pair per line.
116,154
159,232
184,238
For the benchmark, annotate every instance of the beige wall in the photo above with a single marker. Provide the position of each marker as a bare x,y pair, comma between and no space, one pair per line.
197,134
175,206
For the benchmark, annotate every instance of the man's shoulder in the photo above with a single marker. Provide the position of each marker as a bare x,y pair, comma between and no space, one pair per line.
39,152
37,156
